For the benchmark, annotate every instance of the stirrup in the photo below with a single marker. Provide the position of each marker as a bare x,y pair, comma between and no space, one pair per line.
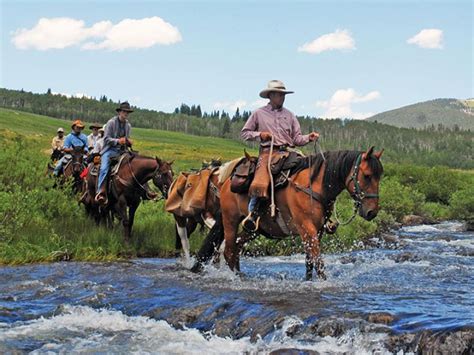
249,224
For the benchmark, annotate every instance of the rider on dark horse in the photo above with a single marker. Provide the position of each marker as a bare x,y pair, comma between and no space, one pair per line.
57,145
272,120
116,141
74,139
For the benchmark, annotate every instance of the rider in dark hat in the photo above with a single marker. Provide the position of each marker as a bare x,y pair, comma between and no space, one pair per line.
116,138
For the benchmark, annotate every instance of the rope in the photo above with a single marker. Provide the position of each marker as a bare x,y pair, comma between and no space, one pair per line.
272,187
356,208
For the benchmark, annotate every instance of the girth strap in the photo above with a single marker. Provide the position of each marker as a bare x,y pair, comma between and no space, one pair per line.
313,194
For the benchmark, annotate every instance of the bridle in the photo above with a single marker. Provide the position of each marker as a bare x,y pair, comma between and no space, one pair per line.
156,174
359,195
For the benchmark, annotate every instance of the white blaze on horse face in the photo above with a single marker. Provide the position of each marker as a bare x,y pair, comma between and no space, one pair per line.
183,235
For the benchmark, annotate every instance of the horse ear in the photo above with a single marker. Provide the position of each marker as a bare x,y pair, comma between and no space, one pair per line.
378,154
158,160
171,162
247,155
368,153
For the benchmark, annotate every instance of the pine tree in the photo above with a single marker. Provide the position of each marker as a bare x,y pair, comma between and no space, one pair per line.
236,116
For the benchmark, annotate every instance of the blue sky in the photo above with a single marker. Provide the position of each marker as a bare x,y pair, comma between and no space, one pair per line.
220,54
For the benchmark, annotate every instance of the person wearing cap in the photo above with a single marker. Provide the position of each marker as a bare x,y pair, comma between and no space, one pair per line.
57,143
99,144
116,139
94,136
272,121
74,139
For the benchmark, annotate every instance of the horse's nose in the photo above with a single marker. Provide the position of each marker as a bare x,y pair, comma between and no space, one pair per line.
371,214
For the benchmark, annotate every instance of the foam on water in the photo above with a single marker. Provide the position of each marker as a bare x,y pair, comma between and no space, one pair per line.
84,329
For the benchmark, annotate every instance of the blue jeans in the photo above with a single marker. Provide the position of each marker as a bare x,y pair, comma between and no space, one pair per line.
252,203
60,163
105,164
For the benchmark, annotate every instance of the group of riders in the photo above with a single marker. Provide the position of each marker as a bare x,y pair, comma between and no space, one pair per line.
269,124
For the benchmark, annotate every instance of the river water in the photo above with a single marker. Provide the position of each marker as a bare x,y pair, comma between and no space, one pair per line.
418,280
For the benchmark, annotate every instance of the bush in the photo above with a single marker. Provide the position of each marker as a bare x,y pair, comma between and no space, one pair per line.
399,200
462,204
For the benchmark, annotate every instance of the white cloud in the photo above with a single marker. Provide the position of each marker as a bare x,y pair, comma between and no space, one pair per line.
258,103
340,40
431,38
340,104
230,106
62,32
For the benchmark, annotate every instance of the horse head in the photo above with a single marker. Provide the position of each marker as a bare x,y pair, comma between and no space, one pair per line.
363,183
163,176
77,159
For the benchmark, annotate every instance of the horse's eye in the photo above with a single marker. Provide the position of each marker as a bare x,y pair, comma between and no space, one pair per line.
367,177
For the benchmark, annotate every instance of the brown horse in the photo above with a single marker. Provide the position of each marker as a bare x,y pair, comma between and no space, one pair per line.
306,202
74,168
127,187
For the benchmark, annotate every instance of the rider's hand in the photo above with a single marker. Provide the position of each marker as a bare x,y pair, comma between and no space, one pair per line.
129,142
122,141
313,136
265,136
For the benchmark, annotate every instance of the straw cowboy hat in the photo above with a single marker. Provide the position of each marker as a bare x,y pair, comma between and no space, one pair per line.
274,85
60,130
124,106
95,125
77,123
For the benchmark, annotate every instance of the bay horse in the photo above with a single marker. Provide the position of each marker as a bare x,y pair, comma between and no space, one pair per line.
306,202
127,187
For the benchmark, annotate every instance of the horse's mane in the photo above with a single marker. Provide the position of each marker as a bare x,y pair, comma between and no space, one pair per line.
338,165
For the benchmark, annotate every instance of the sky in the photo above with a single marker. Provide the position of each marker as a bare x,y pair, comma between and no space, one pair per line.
348,59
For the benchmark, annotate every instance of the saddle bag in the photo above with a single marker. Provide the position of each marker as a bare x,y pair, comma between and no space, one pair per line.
242,177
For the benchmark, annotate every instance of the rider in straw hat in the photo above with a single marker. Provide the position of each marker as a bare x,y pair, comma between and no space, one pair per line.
74,139
271,121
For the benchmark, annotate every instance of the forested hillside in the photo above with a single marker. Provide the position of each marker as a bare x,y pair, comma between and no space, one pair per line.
453,113
434,145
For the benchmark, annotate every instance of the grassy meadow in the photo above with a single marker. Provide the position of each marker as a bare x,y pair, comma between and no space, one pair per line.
39,223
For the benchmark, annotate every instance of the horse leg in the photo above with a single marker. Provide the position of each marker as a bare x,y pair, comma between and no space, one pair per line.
230,250
242,239
182,230
309,235
121,208
131,216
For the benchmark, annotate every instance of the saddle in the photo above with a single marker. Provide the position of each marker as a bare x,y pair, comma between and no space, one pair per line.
188,193
282,166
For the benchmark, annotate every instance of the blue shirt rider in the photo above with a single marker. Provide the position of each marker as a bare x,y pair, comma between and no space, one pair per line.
116,136
74,139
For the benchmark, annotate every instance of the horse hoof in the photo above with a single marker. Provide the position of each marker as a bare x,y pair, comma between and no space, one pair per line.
197,268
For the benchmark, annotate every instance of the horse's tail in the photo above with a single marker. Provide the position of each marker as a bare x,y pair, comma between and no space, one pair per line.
212,242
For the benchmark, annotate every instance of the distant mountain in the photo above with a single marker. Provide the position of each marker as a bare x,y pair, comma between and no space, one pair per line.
448,112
